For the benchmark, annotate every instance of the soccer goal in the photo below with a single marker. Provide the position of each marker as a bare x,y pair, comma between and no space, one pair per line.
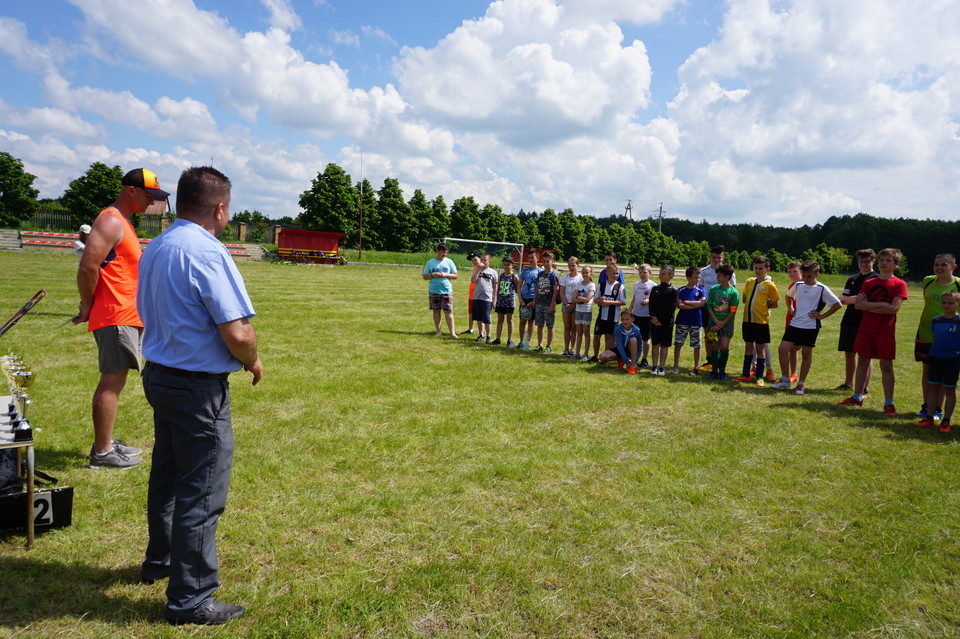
497,250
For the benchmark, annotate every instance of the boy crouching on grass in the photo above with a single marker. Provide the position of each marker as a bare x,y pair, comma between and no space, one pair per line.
943,362
810,298
626,337
690,300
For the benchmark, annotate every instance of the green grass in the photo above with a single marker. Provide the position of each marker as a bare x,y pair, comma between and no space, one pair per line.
388,483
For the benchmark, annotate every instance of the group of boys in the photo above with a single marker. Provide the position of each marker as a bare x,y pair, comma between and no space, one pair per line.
661,315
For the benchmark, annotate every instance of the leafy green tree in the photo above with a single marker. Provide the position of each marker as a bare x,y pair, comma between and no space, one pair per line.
514,230
495,221
422,222
372,235
574,234
439,218
531,231
397,225
92,192
331,204
551,230
465,220
18,198
596,243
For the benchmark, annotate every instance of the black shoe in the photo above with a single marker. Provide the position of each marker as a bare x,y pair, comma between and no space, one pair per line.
212,614
593,360
153,572
495,342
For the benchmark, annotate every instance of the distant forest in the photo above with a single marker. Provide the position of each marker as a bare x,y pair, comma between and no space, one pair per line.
919,240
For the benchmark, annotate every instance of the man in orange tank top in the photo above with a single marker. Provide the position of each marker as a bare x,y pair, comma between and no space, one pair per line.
107,281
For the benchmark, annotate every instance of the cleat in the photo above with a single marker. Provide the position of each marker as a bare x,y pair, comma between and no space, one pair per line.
759,383
632,370
889,410
849,401
547,350
844,387
585,358
926,422
945,426
495,342
723,377
594,360
712,375
675,371
707,367
694,373
793,379
798,390
538,349
771,376
743,378
620,365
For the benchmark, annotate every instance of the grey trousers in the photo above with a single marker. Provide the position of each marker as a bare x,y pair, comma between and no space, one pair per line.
189,478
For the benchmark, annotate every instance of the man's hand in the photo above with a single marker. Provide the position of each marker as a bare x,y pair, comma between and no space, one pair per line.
257,369
83,314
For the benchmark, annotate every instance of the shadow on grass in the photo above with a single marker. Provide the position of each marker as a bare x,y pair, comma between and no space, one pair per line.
900,427
52,460
34,589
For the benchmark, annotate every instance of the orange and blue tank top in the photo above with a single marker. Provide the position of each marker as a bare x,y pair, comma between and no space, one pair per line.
115,298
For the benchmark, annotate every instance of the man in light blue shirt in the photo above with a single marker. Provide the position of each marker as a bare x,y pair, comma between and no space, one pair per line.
440,273
195,311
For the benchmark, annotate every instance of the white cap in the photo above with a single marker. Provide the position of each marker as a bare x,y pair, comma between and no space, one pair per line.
85,229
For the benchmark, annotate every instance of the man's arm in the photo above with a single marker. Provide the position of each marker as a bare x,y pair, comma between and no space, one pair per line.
241,340
104,236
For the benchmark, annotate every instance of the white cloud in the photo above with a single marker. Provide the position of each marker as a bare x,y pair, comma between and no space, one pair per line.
49,121
378,33
796,88
527,74
345,36
282,15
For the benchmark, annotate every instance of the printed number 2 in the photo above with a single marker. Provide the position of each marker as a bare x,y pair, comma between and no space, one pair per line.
42,509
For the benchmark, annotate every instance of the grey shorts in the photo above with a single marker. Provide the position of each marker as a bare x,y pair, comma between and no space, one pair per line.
545,314
119,348
584,318
681,336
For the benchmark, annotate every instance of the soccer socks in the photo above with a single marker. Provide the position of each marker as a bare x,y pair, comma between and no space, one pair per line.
761,365
724,356
747,363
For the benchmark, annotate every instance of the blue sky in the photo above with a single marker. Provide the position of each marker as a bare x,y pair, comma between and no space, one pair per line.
771,111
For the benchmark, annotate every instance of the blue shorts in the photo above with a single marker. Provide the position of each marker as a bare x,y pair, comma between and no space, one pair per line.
481,311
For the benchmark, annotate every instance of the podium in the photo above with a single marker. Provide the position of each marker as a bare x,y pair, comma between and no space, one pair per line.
26,446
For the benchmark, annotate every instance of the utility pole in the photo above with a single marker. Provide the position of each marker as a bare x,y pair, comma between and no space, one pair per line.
628,210
361,207
660,219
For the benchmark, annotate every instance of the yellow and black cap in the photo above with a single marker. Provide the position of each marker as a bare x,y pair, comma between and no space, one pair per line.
146,180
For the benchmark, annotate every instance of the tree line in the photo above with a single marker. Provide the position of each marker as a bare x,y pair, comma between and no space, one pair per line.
393,223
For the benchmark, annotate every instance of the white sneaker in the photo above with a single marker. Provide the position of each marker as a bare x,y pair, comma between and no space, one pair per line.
781,385
661,372
510,345
798,390
675,371
585,358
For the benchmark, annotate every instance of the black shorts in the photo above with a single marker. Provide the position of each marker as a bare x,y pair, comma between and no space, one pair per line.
801,336
643,323
943,371
661,335
848,335
505,310
604,327
754,333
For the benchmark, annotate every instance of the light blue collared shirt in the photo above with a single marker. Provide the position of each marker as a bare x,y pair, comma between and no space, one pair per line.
188,284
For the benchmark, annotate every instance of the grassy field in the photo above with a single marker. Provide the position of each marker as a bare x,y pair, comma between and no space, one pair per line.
388,483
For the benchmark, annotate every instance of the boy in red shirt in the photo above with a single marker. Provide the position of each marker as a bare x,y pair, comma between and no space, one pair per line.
880,299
